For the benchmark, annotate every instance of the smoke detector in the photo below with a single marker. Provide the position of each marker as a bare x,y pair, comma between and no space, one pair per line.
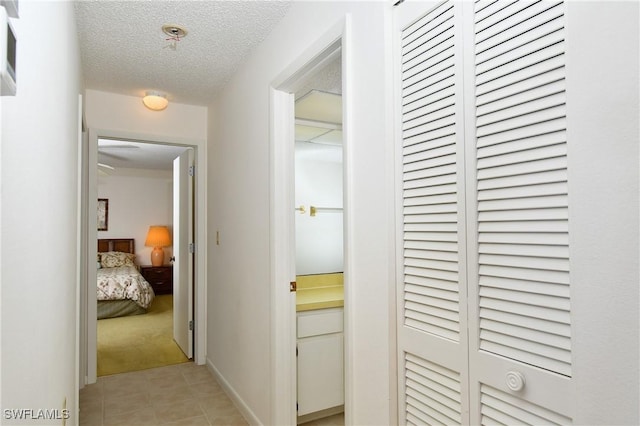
174,31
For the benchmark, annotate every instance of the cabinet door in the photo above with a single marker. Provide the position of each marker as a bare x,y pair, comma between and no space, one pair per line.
320,373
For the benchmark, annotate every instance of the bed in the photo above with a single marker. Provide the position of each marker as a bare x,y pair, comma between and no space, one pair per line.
121,289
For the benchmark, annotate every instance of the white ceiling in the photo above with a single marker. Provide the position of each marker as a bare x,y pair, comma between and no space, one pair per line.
125,51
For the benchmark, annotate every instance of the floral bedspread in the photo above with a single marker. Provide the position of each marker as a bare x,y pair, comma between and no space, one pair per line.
124,282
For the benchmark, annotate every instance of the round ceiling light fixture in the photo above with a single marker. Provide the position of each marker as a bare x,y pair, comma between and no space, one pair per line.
155,101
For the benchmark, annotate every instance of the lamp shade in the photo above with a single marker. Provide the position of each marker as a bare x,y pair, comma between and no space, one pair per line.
158,236
155,101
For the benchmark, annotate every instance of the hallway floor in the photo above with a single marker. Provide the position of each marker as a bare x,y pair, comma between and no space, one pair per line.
181,394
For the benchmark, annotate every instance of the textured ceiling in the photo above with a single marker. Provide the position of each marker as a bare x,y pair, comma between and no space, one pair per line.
125,51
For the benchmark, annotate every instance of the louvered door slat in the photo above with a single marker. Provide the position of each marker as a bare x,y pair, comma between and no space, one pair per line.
550,201
558,252
520,215
544,129
525,297
425,386
546,263
535,166
492,397
447,169
526,333
514,77
528,348
441,62
432,135
531,33
512,56
447,249
516,19
498,162
438,89
422,191
433,392
497,103
521,109
429,254
552,327
414,110
498,13
433,292
497,406
549,176
486,11
432,79
542,275
426,119
425,27
536,114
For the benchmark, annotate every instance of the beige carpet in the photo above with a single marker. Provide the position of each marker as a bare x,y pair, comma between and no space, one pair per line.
139,342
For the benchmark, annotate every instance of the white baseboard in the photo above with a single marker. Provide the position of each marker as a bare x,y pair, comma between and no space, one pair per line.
244,409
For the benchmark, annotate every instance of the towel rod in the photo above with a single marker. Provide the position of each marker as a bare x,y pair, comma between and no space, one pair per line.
313,209
301,209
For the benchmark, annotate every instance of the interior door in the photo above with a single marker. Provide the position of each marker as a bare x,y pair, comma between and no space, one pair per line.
518,205
184,257
484,333
432,298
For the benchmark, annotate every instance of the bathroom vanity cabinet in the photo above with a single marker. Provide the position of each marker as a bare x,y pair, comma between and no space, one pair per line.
320,360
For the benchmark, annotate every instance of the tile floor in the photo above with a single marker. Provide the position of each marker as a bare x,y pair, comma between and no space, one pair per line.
181,394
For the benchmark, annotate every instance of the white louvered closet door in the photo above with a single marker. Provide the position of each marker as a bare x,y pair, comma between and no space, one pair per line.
432,296
484,329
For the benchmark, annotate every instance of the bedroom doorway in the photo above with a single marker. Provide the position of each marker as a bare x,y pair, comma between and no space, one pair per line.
148,185
88,345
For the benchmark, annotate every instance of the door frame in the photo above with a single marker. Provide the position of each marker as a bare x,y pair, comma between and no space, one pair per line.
88,311
336,40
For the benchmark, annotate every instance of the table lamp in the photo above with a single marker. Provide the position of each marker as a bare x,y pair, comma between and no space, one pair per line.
158,237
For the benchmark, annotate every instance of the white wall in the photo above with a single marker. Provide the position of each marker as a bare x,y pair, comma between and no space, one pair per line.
138,199
319,238
603,115
239,304
112,111
39,213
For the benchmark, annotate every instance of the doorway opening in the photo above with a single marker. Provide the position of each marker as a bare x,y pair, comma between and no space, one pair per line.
88,308
310,238
138,325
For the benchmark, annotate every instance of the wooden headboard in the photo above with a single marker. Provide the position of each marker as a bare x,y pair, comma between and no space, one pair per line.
125,245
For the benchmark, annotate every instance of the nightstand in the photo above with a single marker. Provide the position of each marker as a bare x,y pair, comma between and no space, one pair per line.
160,278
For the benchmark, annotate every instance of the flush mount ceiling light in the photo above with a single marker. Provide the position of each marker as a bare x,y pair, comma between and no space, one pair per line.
155,101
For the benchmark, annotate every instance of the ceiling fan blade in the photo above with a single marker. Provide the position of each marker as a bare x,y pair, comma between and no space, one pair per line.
115,157
101,147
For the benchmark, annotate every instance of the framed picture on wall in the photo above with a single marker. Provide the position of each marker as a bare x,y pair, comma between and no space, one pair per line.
103,214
